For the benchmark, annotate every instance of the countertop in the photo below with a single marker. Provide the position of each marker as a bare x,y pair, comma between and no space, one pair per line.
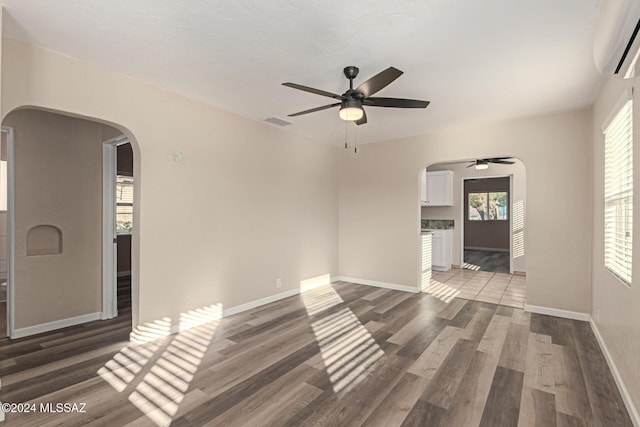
436,224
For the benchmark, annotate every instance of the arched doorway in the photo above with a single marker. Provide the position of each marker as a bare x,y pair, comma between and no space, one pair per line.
484,248
56,178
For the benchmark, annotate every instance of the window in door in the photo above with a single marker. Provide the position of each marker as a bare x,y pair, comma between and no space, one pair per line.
488,206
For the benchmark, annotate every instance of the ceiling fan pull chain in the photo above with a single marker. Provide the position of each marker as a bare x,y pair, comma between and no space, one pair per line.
355,141
345,135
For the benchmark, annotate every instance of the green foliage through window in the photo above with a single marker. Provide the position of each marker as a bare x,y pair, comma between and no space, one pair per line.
488,206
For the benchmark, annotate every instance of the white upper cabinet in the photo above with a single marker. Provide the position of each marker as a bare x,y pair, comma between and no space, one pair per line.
437,188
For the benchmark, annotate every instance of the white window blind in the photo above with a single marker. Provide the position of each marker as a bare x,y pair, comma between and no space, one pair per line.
618,193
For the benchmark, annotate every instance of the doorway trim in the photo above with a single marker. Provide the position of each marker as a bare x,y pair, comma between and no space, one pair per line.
11,326
462,216
109,235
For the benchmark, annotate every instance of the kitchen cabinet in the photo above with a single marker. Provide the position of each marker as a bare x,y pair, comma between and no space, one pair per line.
441,249
436,188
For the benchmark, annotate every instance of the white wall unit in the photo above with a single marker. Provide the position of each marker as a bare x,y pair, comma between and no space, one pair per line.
441,249
437,189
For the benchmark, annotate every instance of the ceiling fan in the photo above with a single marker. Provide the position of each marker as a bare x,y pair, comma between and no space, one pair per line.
353,100
484,163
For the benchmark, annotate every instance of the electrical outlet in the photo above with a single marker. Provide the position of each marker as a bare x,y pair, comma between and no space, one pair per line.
278,282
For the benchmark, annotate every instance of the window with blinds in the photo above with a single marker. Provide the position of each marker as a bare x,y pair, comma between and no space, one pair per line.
124,204
618,193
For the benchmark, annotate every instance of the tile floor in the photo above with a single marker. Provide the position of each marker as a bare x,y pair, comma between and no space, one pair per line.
485,286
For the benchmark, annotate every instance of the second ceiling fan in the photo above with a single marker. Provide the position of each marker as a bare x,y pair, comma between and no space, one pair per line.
484,163
353,100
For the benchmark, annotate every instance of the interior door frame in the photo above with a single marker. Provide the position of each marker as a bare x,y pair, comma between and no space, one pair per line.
11,327
109,235
462,216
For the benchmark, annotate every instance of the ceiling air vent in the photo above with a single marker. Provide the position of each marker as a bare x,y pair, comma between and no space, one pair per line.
278,121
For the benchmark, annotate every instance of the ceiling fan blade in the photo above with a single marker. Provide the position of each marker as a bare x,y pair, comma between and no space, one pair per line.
503,162
455,163
313,90
395,103
490,159
363,120
313,110
471,164
379,81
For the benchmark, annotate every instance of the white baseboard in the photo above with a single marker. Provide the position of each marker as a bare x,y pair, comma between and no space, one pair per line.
273,298
626,397
257,303
56,324
395,287
286,294
575,315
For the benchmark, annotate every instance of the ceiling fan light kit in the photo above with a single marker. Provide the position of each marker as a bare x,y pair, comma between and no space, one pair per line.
352,101
351,110
482,165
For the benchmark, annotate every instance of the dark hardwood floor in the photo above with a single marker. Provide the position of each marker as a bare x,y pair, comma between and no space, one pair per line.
340,355
493,261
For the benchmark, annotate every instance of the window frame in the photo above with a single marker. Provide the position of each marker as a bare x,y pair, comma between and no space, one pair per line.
123,232
486,194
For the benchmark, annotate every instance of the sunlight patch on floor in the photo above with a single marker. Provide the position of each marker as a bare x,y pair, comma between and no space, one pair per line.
441,291
159,393
473,267
347,348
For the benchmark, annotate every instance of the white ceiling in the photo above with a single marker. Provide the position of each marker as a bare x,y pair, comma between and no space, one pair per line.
474,60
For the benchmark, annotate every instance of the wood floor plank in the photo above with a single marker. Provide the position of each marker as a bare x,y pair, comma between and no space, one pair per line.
252,406
468,404
452,309
222,401
540,372
514,351
381,378
503,403
413,328
493,339
429,362
564,420
424,414
444,384
285,406
370,296
570,389
475,329
417,345
537,408
398,403
391,301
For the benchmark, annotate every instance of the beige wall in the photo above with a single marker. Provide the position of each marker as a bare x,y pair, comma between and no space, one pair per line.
616,306
248,204
380,213
518,198
58,181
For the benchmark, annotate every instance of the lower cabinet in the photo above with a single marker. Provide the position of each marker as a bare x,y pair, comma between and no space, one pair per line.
441,248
